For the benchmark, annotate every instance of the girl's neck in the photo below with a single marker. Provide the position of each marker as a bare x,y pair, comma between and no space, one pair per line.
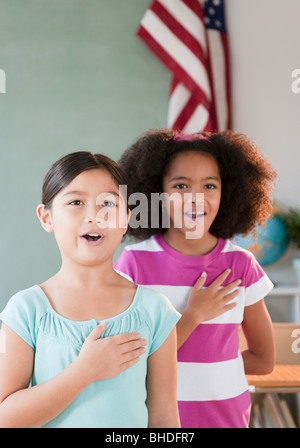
82,293
81,276
194,247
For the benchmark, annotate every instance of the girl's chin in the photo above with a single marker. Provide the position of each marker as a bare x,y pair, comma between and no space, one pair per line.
186,233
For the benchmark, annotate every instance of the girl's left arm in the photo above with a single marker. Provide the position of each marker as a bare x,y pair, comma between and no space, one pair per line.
162,385
259,358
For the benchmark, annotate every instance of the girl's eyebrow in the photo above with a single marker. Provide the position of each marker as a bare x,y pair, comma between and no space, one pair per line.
76,192
179,178
84,193
176,178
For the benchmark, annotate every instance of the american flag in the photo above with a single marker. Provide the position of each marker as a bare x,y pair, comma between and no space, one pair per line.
189,37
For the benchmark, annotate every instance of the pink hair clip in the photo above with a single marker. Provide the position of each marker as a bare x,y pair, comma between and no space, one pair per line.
188,137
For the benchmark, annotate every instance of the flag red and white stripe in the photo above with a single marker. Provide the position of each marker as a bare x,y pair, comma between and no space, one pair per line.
189,37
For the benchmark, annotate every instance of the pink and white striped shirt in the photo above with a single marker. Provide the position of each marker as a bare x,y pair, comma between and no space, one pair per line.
212,387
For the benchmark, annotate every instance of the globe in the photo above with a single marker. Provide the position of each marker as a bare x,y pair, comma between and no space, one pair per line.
270,244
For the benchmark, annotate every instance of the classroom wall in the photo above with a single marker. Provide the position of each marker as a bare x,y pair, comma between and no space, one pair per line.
77,78
264,42
264,38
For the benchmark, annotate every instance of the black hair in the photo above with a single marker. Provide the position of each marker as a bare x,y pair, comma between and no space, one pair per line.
64,170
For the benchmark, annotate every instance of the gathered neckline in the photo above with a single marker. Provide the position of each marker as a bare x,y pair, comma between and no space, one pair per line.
45,298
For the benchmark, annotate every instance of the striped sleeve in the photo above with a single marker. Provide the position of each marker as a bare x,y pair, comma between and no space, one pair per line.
258,284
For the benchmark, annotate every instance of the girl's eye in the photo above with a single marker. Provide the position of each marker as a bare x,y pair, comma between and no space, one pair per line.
180,186
109,204
210,187
76,202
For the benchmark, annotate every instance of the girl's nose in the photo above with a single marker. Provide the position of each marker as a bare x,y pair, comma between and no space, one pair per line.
196,197
89,219
91,214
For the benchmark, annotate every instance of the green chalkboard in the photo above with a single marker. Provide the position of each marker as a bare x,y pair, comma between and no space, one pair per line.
77,78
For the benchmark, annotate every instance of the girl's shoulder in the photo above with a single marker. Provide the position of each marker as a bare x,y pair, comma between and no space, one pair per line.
149,245
138,258
24,311
231,249
30,300
241,261
245,266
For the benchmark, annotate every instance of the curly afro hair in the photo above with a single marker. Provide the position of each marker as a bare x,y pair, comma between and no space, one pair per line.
247,177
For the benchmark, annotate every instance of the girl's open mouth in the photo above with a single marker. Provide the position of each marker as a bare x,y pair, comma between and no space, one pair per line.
194,216
92,239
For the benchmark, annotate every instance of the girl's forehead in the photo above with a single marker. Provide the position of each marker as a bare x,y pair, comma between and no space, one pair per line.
97,183
92,180
191,161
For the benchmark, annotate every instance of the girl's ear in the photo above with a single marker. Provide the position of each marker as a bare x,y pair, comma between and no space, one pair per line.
44,216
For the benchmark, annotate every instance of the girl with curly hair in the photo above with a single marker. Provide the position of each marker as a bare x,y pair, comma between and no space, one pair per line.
213,187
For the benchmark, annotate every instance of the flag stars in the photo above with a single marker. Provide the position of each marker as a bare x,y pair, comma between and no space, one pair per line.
217,23
214,15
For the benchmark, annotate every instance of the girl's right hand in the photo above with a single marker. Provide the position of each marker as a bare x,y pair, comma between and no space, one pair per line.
206,304
100,359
